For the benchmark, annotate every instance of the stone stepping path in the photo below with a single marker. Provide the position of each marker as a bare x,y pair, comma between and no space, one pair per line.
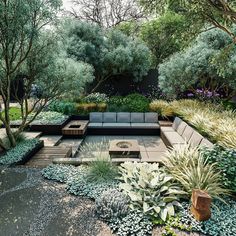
51,140
45,156
31,135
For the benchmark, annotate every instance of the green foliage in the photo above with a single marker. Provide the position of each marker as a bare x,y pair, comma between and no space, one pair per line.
17,153
101,170
150,189
134,224
96,98
60,173
112,204
225,160
200,66
109,52
64,107
131,103
165,35
191,170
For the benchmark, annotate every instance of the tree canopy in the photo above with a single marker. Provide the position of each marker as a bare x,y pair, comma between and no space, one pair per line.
209,63
110,52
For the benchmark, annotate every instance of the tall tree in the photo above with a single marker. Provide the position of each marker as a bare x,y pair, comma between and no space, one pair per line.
106,13
110,52
219,13
25,51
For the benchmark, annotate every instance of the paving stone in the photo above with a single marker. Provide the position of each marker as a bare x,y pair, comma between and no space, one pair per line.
73,143
155,156
30,135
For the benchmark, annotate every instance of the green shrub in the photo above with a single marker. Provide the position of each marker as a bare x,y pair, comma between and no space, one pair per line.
150,189
112,203
86,108
101,170
136,103
225,160
17,153
66,108
96,98
131,103
134,224
191,170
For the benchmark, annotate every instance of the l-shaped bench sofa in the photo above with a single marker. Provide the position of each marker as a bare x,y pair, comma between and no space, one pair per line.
181,133
124,123
138,123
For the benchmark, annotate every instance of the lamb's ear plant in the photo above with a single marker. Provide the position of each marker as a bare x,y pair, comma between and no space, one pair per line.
150,189
191,170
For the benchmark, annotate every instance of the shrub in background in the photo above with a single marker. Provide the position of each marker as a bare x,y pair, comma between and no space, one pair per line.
163,108
192,171
150,189
112,203
86,108
64,107
225,160
136,103
96,98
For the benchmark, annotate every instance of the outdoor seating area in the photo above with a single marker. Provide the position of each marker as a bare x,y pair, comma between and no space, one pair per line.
117,118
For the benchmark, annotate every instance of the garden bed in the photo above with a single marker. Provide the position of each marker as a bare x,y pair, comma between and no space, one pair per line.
22,153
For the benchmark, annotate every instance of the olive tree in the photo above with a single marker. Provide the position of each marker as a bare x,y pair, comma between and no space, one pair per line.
111,53
26,49
205,64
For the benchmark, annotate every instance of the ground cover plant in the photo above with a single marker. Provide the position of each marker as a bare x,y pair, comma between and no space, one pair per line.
225,160
16,154
46,118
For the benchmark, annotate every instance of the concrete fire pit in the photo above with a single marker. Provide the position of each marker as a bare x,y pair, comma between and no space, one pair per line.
122,148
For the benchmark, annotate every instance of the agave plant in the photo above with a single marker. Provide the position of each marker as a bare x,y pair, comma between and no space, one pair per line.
192,171
150,189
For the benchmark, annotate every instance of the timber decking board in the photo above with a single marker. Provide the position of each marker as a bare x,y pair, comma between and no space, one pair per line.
45,156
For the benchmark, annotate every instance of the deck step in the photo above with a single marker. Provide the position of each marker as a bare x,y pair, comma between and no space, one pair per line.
51,140
45,156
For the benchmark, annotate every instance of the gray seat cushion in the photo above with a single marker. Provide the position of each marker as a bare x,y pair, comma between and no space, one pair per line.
174,138
188,132
95,117
109,117
181,127
145,125
116,125
195,139
205,142
151,117
123,117
167,129
95,125
137,117
176,123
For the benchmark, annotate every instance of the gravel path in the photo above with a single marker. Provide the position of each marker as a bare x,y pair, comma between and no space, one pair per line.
33,206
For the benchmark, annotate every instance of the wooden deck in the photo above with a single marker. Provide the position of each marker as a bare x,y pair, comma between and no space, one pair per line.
45,156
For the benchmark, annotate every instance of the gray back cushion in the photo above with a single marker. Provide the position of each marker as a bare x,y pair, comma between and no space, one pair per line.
176,123
123,117
151,117
109,117
95,117
188,132
181,127
137,117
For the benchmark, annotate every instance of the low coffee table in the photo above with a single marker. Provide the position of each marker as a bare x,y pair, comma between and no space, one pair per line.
75,127
124,148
